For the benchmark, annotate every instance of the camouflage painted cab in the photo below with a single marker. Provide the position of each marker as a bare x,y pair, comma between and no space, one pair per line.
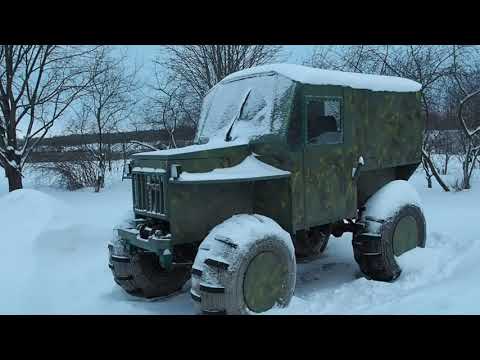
306,148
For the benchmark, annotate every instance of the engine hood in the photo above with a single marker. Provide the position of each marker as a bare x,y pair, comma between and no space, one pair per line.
194,158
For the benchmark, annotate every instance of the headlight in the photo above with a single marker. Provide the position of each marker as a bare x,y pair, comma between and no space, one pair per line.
175,171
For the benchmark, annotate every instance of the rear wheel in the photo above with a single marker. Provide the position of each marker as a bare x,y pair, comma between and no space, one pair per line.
140,273
375,251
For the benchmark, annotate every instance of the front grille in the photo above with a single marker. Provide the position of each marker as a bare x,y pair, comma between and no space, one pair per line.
149,193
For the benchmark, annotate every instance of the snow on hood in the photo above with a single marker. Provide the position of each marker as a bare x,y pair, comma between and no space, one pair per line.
249,168
212,144
314,76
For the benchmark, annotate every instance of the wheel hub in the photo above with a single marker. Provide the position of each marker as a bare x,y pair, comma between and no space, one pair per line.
264,281
405,236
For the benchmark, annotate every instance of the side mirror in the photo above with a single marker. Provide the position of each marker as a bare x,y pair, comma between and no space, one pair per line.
202,140
356,170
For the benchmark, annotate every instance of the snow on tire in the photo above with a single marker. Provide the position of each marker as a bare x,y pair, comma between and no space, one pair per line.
245,265
394,223
140,274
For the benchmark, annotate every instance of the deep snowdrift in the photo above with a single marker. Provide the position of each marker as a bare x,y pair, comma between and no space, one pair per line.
55,260
55,256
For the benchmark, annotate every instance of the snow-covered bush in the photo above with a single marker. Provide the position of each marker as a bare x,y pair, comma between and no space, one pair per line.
71,175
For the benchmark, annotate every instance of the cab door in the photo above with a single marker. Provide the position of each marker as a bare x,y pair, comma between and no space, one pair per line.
330,192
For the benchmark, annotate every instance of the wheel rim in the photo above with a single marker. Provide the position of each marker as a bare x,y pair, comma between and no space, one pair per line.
406,235
264,282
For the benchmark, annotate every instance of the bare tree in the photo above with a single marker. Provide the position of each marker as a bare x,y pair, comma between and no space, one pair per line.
427,150
202,66
38,83
109,100
436,143
449,137
445,144
328,57
468,86
168,108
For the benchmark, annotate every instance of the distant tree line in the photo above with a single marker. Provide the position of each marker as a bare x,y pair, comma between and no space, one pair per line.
162,136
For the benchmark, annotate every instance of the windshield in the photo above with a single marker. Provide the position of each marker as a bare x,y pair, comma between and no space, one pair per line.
243,109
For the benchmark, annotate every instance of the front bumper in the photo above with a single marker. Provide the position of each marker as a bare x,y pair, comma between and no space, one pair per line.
156,243
153,243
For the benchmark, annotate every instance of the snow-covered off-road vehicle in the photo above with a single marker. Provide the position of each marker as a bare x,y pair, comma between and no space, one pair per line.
284,157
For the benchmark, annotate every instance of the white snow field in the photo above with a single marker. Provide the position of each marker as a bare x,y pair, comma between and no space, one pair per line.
54,259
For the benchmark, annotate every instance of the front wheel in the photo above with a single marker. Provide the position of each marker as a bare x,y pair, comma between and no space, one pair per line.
140,273
245,265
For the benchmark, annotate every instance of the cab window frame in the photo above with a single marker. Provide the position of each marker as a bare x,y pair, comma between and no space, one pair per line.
323,98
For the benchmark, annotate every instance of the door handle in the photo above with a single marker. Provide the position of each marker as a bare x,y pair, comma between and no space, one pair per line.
356,170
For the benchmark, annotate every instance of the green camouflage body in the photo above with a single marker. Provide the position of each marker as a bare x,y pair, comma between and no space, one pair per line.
385,128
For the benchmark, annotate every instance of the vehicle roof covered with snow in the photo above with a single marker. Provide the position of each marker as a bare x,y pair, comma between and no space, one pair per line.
314,76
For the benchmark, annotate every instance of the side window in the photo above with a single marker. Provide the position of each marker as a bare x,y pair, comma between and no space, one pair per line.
324,118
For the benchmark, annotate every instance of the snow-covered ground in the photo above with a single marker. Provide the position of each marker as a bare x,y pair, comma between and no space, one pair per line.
54,259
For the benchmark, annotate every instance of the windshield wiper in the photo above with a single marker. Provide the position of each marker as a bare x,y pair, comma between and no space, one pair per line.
239,113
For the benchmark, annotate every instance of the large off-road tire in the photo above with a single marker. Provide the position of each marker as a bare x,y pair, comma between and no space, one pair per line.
140,273
375,251
311,244
245,265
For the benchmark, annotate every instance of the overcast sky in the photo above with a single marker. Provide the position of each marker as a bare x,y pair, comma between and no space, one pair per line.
295,53
144,54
